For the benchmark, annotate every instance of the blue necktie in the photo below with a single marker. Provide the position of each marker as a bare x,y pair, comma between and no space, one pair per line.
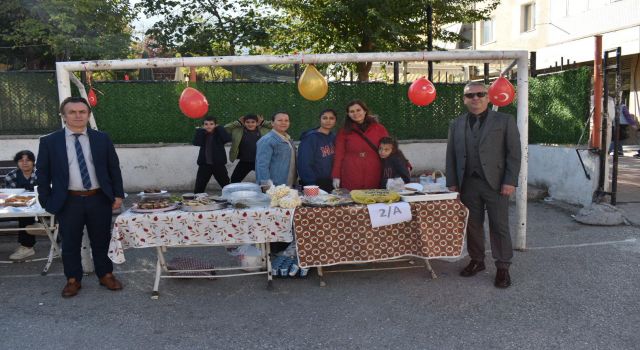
84,173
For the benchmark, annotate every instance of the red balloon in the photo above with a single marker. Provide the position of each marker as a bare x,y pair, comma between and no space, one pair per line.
92,98
422,92
193,103
501,92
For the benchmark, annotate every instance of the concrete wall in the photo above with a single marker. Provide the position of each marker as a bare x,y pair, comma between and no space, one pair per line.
558,169
173,167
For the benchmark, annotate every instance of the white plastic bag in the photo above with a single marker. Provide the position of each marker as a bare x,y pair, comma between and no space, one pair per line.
436,182
250,257
395,184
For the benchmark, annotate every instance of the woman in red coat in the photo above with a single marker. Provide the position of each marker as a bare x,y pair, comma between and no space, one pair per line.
356,163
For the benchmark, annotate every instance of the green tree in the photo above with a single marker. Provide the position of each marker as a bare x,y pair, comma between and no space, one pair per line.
41,32
209,28
319,26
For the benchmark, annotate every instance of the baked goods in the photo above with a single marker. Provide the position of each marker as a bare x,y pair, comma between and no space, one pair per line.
199,201
155,204
152,190
202,203
326,200
19,201
374,196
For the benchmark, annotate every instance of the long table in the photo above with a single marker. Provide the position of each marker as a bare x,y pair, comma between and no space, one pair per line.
178,228
42,216
343,235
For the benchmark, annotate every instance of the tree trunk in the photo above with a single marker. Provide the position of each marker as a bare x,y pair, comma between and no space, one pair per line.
366,45
363,70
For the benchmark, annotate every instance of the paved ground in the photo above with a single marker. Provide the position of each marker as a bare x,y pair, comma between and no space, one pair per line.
576,287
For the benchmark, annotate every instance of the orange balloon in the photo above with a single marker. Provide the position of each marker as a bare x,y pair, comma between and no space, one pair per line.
312,85
501,92
92,98
422,92
193,103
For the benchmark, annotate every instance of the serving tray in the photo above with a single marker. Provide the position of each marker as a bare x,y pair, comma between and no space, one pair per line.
135,209
425,197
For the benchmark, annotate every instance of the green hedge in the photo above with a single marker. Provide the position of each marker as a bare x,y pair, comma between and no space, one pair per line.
147,112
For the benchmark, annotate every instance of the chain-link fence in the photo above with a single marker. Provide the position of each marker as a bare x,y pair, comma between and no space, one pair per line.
147,112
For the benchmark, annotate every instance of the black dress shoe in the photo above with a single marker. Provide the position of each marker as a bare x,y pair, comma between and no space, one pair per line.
473,268
503,280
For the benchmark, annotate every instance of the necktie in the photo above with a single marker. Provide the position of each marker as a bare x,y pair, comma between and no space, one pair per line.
476,126
82,164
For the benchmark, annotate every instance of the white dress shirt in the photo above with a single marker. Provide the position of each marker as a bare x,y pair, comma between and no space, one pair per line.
75,180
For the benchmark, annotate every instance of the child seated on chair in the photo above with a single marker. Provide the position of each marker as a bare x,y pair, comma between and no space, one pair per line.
24,176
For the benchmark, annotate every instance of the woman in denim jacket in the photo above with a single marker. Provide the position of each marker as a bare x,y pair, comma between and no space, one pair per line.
276,154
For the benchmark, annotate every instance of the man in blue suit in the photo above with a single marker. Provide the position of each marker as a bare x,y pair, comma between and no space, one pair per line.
79,181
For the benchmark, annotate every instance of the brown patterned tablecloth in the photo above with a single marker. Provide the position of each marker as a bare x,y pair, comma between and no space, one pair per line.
342,235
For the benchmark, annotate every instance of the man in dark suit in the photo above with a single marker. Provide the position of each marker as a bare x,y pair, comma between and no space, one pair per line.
79,181
483,162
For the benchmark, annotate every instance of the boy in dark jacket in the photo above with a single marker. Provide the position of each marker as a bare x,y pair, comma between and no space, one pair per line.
316,151
212,158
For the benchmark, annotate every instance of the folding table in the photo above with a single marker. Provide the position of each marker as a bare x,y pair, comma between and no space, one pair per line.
177,228
42,216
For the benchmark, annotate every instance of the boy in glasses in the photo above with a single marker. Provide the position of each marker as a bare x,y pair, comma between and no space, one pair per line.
483,163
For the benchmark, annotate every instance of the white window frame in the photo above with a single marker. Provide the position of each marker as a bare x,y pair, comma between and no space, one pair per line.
528,18
492,39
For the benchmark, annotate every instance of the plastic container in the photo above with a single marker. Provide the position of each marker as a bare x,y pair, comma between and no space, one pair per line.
237,187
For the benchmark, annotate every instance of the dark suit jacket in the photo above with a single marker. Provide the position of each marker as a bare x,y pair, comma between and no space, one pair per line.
500,151
220,137
53,168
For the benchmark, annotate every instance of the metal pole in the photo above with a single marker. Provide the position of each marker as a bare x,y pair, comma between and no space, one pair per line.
288,59
430,39
64,85
614,176
523,127
396,72
603,179
597,93
486,73
532,63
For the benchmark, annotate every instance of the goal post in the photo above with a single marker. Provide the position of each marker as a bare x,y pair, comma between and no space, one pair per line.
519,57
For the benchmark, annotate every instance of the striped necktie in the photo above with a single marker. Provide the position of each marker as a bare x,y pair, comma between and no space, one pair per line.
82,164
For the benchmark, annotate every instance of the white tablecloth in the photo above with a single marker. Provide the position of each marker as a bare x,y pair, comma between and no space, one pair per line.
179,228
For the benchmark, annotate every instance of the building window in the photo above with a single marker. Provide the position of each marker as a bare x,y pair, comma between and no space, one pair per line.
487,31
466,32
528,15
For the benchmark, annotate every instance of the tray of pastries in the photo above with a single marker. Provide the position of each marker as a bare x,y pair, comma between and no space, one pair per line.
202,203
152,206
19,201
326,200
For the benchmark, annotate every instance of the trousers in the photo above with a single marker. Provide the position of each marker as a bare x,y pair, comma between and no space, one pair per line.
94,213
203,176
478,196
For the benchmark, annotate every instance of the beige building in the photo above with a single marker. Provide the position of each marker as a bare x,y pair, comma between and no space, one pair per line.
562,31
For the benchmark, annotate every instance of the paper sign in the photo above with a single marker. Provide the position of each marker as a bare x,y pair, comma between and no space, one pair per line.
388,214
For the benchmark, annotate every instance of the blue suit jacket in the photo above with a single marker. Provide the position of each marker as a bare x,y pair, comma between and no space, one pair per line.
53,168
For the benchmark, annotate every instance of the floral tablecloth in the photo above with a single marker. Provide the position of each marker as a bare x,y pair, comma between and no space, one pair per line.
341,235
180,228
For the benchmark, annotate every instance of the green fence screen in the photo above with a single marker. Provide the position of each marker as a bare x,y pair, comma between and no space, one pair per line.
147,112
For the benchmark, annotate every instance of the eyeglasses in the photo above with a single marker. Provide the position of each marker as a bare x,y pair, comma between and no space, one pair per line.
475,94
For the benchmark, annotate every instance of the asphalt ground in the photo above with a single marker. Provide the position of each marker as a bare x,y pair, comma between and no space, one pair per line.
575,287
